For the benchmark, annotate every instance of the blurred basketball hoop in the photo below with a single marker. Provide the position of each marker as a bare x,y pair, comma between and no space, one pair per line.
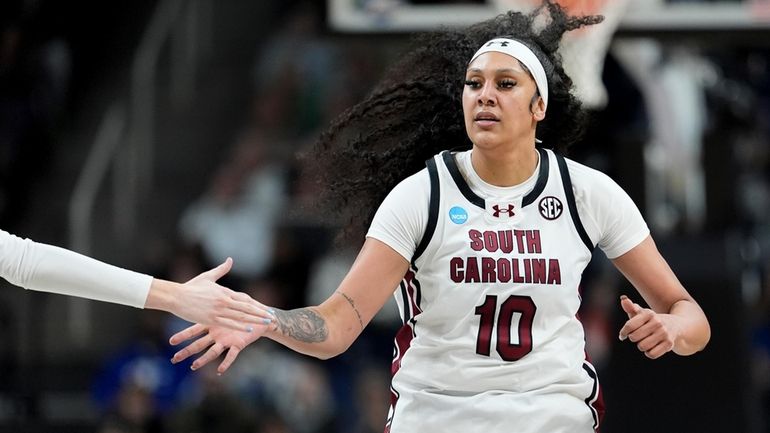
583,50
760,8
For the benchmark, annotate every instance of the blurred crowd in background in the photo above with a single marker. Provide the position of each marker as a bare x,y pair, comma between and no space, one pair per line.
684,128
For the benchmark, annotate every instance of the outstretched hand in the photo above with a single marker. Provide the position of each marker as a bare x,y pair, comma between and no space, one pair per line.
218,340
202,300
654,333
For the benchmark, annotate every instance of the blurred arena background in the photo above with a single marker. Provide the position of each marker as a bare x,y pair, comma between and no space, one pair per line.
162,135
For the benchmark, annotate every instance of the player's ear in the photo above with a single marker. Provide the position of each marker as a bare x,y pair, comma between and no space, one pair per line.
538,108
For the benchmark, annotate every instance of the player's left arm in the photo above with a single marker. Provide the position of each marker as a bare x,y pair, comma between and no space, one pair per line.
674,322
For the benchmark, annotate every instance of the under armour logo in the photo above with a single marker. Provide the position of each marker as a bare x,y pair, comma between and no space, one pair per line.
502,43
498,211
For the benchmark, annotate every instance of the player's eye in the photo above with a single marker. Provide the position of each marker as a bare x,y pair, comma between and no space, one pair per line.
473,83
506,84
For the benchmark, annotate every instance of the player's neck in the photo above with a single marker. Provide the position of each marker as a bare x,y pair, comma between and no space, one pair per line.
505,168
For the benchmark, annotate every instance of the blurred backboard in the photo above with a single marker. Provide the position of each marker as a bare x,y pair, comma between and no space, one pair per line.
394,16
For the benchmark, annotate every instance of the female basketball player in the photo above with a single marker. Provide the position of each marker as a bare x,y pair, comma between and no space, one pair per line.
47,268
486,246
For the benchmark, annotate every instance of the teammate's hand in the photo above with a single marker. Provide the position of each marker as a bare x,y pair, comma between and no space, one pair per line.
202,300
653,333
218,340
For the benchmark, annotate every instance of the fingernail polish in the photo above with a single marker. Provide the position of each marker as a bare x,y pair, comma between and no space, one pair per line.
249,329
267,321
271,310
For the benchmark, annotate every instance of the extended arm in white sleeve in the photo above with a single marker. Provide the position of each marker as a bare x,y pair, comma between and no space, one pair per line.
47,268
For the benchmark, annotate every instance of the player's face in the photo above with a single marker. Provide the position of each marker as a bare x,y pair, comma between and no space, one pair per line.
499,102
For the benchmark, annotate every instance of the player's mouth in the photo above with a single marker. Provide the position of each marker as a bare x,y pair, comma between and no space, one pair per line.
485,118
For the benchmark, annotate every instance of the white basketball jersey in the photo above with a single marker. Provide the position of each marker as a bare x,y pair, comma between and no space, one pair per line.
491,341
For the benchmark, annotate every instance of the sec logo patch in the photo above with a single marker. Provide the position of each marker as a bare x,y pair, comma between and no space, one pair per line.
550,207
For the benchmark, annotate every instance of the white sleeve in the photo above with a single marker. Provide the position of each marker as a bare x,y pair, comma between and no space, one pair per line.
47,268
401,218
611,219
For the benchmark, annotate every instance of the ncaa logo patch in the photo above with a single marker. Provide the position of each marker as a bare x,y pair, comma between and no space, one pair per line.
458,215
550,207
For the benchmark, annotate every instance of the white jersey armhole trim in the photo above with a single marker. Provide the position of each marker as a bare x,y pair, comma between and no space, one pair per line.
401,220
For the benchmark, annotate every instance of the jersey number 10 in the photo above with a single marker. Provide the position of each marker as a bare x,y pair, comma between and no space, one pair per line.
521,306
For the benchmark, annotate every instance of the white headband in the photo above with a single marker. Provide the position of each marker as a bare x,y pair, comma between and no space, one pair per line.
522,53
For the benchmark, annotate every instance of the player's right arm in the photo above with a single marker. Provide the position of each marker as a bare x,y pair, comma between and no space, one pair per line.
322,331
329,329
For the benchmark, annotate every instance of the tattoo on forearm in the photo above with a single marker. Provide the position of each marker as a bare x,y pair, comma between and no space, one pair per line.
352,304
302,324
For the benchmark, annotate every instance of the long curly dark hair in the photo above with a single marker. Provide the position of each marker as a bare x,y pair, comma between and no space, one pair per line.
416,110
